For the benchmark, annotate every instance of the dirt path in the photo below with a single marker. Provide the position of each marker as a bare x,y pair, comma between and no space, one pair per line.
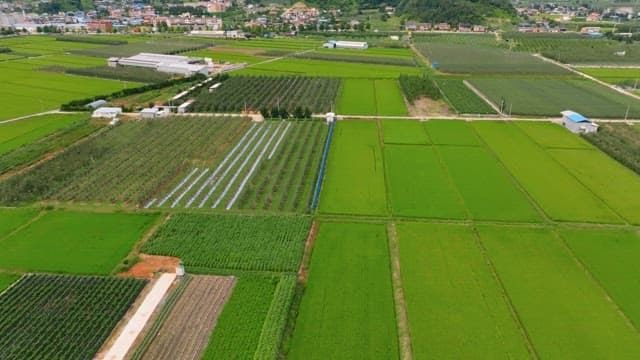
127,336
404,336
185,332
303,272
483,97
612,87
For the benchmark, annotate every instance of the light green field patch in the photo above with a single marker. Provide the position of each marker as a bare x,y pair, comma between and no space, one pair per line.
389,99
347,311
403,132
455,306
18,133
69,242
12,218
354,181
565,313
616,185
558,192
6,280
550,135
485,185
357,97
451,132
309,67
611,255
418,185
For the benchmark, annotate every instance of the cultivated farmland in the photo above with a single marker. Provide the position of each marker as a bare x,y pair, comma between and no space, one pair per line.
72,242
251,324
243,176
611,257
565,313
354,182
284,182
223,242
471,318
548,97
621,142
465,59
162,46
258,92
19,133
11,219
463,100
130,163
186,330
371,97
567,199
349,278
30,152
419,185
403,132
66,317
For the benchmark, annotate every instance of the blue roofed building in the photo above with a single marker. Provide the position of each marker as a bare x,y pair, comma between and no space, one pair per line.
577,123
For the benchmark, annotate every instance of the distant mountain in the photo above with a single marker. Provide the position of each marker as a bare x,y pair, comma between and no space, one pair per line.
455,11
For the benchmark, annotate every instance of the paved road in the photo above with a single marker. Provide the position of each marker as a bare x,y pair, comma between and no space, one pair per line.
134,326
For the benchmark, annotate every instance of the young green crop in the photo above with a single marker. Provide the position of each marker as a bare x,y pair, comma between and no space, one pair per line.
354,182
72,242
564,198
565,313
467,315
223,242
347,311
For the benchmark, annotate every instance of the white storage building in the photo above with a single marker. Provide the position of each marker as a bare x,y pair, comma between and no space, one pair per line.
578,123
357,45
172,64
107,112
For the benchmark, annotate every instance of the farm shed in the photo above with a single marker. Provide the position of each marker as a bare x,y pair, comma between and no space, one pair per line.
578,123
107,112
358,45
172,64
150,113
96,104
183,107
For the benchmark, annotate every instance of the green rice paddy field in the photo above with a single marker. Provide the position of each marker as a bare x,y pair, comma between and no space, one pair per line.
369,96
70,242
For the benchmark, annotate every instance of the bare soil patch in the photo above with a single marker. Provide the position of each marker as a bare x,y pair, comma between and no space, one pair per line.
428,107
185,332
150,264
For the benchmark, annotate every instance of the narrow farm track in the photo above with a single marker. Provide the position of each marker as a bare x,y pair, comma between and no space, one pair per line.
186,330
404,335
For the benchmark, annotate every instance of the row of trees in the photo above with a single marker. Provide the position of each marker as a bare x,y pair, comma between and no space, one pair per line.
297,113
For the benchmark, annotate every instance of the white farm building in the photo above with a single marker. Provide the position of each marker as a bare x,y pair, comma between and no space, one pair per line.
107,112
357,45
577,123
172,64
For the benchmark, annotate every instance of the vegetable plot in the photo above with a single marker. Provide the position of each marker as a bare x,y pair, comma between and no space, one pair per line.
62,317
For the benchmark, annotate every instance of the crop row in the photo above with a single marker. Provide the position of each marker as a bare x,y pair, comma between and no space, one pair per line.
147,163
264,92
62,317
283,182
276,320
260,243
463,100
163,46
415,87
